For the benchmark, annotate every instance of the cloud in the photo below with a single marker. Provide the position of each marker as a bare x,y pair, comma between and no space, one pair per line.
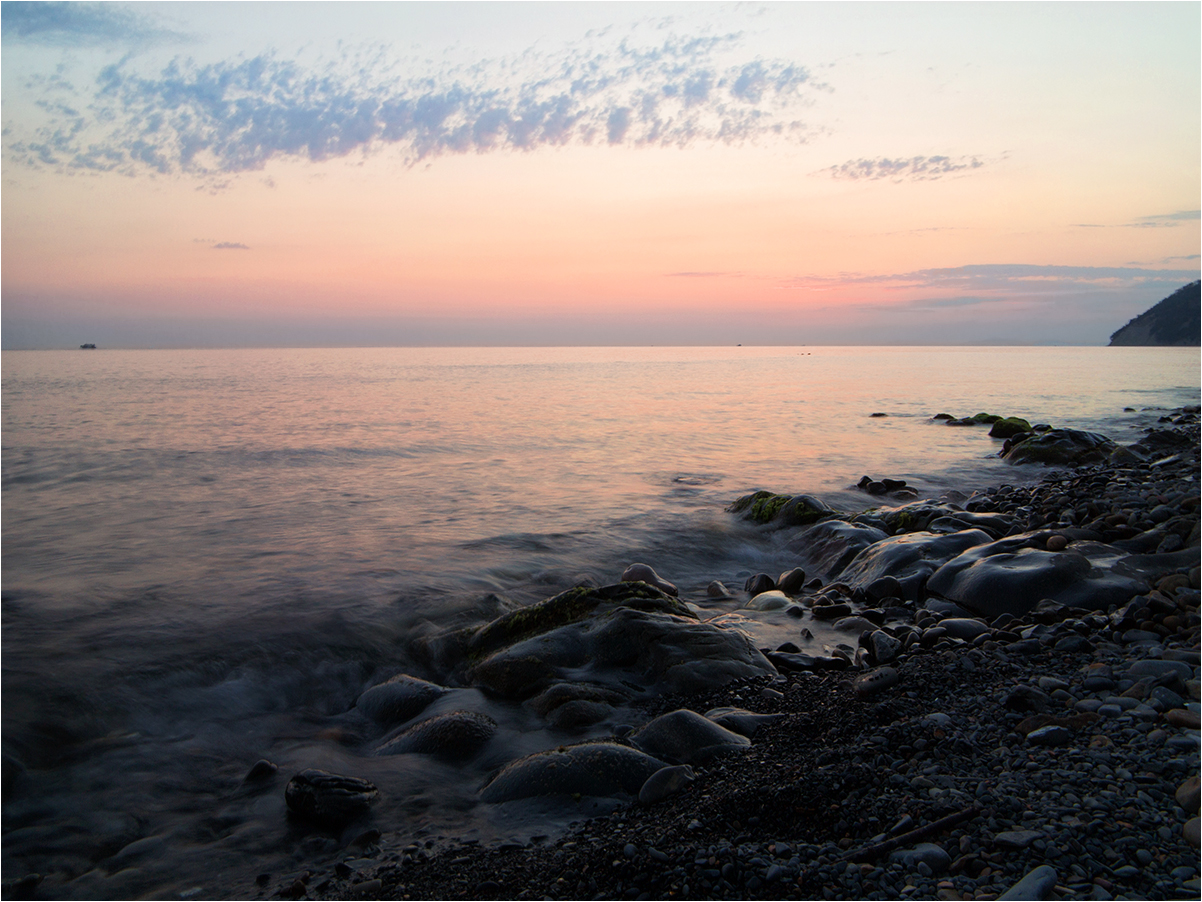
702,275
77,24
230,246
912,169
1159,221
1008,279
236,116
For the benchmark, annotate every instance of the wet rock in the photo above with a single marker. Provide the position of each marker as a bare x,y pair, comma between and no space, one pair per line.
1036,884
792,581
665,782
565,693
772,600
910,559
883,647
1010,577
933,856
457,734
759,584
399,699
260,771
1051,735
1009,427
964,628
601,769
329,800
1187,795
717,590
781,510
828,547
685,736
642,573
1062,447
1016,839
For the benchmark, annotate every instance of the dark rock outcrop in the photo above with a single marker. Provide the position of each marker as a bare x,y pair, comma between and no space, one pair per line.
603,769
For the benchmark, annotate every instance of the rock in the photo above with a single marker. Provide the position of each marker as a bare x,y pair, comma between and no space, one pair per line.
1010,577
667,781
910,559
1062,447
601,769
738,720
685,736
965,628
875,682
1158,668
399,699
1009,426
759,584
772,600
457,734
261,770
642,573
1036,884
781,510
1191,831
1026,698
830,611
885,587
884,648
1187,795
615,637
854,625
717,590
1056,542
564,693
1016,839
1183,717
829,546
328,800
792,581
1051,735
933,856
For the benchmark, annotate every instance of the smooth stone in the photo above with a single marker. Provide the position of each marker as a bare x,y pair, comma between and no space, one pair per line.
1051,735
1183,717
399,699
1036,884
1159,667
666,781
792,581
884,647
875,682
771,600
1187,795
717,590
965,628
685,736
933,856
1191,831
602,769
911,559
828,547
1061,446
758,584
329,800
1056,542
643,573
738,720
854,624
1016,839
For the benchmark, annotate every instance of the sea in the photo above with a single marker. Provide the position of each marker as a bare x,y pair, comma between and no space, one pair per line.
209,554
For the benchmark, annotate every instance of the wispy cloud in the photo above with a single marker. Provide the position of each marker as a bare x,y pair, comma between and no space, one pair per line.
1007,277
78,24
702,275
1159,221
230,246
236,116
911,169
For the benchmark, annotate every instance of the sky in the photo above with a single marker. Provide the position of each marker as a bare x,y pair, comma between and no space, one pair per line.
376,174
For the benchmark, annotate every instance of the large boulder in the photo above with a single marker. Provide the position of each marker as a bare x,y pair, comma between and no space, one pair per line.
684,736
329,800
456,734
828,547
612,638
399,699
1012,575
1061,447
603,769
910,559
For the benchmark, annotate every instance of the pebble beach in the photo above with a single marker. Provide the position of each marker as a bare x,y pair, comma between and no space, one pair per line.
1048,755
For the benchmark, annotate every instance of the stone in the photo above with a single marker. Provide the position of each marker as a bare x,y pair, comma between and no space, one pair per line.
399,699
601,769
1056,542
717,590
965,628
665,782
1159,668
1061,447
884,648
781,510
685,737
642,573
1051,735
1010,576
828,547
910,559
1183,717
759,583
456,734
875,682
1016,839
738,720
1191,831
1187,795
792,581
770,600
1036,884
933,856
329,800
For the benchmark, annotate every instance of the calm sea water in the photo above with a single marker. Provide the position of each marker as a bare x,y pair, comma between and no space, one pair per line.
207,553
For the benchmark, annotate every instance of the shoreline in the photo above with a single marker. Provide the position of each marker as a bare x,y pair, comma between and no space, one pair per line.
1049,741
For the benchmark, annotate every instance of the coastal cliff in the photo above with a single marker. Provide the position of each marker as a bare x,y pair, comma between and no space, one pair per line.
1175,321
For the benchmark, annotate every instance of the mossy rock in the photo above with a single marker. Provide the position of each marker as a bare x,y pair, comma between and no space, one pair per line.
986,418
1061,447
785,510
569,607
1009,427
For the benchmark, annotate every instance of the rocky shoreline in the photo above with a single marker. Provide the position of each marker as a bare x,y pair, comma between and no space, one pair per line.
1029,730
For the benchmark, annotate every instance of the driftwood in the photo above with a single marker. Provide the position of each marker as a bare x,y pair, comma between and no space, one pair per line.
881,848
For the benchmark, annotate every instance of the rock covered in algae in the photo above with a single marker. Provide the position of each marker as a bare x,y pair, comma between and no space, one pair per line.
457,734
603,769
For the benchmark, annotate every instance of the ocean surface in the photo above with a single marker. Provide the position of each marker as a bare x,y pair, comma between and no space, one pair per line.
207,555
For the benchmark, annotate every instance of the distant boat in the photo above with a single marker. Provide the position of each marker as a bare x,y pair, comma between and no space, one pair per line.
87,347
